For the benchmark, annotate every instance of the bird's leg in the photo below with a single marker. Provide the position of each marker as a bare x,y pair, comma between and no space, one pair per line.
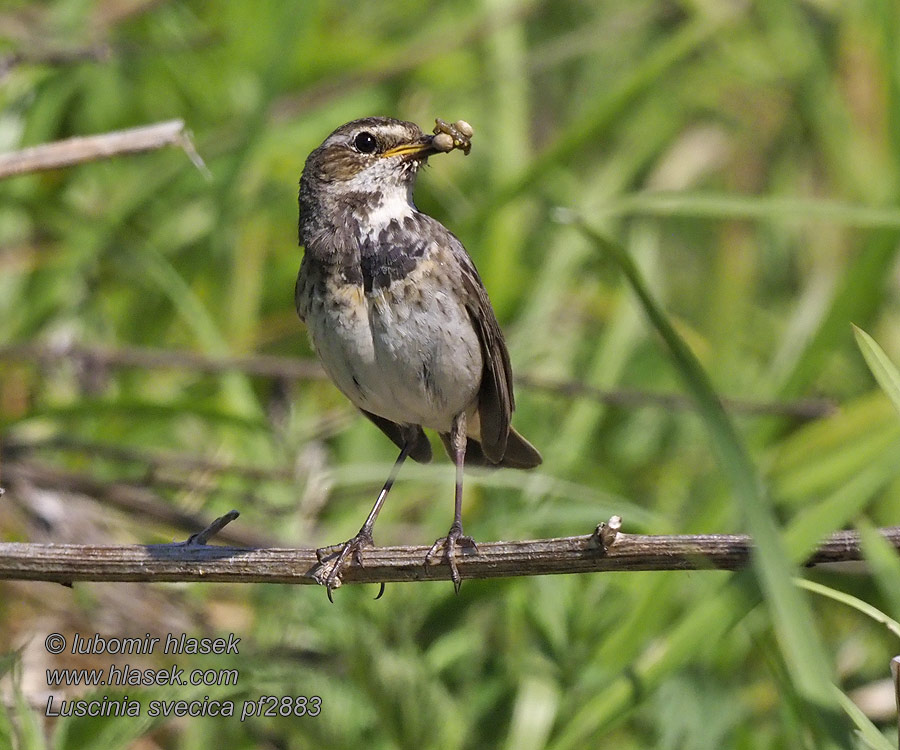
455,536
334,558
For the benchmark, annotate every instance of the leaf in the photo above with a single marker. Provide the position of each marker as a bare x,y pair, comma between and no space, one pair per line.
851,601
882,368
798,638
868,732
883,562
816,520
763,207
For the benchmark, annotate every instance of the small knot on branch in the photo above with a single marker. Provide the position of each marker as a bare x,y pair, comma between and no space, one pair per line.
605,534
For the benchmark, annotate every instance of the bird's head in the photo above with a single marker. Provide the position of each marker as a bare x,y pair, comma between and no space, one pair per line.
365,171
375,153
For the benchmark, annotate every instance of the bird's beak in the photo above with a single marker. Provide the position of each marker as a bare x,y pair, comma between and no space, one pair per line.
420,147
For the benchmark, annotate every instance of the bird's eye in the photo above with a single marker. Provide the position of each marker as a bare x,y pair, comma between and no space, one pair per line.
365,142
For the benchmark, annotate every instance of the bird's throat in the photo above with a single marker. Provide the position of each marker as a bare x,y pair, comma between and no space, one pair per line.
395,204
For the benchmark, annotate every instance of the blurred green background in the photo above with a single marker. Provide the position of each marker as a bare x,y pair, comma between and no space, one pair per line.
747,154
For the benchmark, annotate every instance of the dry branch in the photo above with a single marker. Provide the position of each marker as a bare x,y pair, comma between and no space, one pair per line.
159,462
291,369
261,365
192,561
134,500
805,408
93,53
93,147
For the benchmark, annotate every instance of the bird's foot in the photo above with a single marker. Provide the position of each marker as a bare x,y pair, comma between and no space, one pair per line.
333,560
455,538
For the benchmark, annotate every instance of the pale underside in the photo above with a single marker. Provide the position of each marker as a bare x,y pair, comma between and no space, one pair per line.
417,362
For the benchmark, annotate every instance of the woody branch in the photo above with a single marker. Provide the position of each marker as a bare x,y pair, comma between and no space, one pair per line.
82,149
606,549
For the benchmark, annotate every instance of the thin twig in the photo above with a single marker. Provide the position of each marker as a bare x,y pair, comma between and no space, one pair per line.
91,148
261,365
290,369
55,55
465,33
577,554
94,53
203,537
808,408
155,461
138,501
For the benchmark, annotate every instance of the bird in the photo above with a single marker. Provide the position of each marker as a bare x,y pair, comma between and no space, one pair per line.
399,317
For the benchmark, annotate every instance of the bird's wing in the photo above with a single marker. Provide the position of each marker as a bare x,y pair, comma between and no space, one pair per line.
300,292
495,397
420,448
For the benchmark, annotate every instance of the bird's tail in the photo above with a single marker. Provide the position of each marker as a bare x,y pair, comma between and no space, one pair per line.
520,454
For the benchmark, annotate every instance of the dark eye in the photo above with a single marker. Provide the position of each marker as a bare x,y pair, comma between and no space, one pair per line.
365,142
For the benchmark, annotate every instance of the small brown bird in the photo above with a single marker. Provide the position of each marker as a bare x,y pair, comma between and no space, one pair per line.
399,316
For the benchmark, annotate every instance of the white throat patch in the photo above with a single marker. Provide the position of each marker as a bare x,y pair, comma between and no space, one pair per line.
396,204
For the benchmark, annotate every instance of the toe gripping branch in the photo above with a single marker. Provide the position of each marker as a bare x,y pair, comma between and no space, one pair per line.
333,560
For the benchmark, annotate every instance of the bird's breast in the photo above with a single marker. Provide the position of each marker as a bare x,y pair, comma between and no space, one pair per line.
396,338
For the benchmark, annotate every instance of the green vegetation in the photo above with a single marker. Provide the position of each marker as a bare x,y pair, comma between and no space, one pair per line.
734,173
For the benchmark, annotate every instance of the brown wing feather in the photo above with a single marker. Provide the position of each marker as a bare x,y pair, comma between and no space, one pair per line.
495,398
520,454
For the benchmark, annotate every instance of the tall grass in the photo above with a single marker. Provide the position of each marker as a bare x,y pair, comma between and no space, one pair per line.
746,159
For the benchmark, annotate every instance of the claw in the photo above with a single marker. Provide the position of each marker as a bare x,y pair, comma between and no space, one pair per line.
329,571
449,543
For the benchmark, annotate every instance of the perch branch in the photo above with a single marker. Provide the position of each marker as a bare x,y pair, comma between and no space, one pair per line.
290,369
93,147
604,550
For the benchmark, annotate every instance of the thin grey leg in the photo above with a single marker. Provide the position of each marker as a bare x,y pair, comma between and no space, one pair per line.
455,536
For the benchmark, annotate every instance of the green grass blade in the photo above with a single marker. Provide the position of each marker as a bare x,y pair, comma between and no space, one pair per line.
600,117
851,601
884,563
868,732
762,207
701,627
858,297
816,520
882,368
801,646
